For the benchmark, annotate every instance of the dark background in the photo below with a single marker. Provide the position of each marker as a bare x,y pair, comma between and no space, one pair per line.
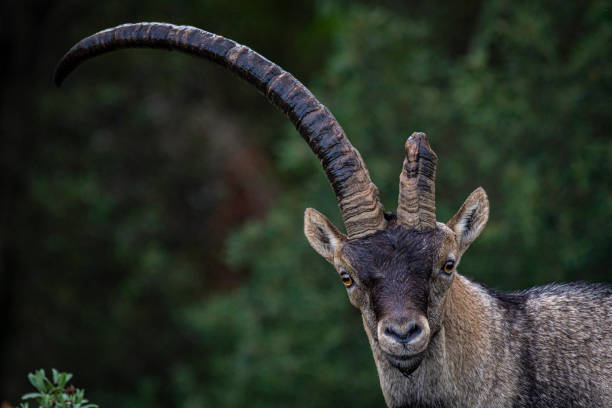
151,209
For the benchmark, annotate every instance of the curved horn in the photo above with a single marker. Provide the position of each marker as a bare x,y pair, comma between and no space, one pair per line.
416,207
357,196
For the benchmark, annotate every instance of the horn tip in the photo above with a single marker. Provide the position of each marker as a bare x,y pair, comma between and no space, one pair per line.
417,137
60,72
416,141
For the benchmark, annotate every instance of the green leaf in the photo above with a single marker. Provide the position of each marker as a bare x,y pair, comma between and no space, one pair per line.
31,395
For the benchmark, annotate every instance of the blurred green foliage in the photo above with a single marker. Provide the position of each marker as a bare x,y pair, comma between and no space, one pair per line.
152,213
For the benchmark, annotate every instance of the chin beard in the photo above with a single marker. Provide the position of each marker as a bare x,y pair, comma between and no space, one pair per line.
405,365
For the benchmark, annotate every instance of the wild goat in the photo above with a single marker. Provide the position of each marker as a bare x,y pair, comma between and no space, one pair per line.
438,339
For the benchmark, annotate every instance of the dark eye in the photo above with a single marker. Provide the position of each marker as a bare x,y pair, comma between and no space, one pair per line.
448,266
346,279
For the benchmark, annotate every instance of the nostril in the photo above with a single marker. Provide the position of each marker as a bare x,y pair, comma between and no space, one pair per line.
404,334
414,330
391,332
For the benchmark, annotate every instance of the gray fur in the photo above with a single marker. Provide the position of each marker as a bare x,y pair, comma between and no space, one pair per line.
546,347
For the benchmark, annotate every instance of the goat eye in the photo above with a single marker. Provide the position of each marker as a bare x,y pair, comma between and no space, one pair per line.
346,279
448,266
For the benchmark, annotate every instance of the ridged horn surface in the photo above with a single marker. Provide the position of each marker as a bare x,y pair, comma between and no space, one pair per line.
416,207
357,196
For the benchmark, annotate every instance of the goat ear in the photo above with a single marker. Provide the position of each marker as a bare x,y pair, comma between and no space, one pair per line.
471,219
322,235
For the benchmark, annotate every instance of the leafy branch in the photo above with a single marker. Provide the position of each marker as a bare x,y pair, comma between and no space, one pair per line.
56,393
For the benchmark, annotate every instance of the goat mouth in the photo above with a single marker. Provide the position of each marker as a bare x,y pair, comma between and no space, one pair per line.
405,364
